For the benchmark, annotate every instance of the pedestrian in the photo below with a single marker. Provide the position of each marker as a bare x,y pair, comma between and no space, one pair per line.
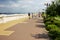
29,15
32,15
39,14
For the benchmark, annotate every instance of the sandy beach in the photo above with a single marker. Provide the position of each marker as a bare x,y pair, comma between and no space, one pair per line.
8,21
7,18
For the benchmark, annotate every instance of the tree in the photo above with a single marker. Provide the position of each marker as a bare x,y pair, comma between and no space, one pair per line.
58,7
51,10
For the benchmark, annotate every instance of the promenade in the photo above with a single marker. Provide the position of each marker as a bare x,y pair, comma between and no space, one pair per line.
32,29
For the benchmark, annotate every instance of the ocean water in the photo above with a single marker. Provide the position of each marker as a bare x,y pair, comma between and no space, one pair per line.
4,18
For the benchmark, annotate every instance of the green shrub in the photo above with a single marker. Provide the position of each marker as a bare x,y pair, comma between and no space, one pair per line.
58,35
58,38
54,33
57,22
47,23
49,19
51,26
46,19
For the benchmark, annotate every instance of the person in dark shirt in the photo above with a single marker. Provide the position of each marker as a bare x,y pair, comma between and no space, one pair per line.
29,15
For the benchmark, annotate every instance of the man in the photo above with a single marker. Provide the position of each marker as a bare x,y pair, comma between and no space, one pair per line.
29,15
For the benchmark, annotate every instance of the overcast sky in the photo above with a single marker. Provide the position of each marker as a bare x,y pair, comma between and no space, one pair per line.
22,6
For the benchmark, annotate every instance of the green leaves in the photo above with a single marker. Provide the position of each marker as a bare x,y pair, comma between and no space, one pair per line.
52,24
53,9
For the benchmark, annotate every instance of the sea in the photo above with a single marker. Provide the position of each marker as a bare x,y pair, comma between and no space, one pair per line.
6,17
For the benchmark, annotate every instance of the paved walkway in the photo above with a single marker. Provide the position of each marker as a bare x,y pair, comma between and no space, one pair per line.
32,29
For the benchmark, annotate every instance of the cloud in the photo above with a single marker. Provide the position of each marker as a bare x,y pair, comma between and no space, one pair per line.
14,5
23,5
10,6
2,5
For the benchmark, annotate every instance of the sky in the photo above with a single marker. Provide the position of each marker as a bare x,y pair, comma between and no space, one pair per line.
22,6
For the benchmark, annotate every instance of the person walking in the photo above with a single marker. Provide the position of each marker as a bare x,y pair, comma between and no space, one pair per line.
39,14
32,15
29,15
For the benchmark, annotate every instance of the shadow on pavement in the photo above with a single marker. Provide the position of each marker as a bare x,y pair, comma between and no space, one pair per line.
40,26
39,21
38,36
